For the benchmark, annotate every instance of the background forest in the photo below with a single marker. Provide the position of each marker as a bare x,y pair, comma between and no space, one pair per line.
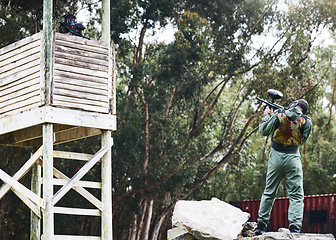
186,108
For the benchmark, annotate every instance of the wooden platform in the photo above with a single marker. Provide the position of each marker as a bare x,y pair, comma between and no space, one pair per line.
25,128
80,98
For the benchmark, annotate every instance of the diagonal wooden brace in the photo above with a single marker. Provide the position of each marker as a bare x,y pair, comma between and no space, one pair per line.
82,172
82,191
22,171
33,207
22,189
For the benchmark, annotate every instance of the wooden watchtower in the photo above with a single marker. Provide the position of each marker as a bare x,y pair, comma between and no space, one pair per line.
56,88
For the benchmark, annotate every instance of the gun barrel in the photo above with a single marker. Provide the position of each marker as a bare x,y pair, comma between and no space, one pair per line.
270,104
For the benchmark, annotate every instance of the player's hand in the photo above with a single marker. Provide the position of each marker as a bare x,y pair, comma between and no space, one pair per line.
268,111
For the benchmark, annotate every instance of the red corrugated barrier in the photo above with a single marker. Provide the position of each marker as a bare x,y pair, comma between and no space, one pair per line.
319,213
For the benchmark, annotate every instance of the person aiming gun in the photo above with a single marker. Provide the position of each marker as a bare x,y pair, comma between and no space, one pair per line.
71,27
288,129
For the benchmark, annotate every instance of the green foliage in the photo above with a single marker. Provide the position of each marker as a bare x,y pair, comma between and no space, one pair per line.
21,18
192,100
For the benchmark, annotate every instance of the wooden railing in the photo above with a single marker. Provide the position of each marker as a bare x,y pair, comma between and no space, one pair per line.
82,75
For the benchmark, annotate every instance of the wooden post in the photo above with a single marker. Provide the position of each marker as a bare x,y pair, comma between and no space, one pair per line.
106,23
106,161
35,221
48,214
106,175
47,28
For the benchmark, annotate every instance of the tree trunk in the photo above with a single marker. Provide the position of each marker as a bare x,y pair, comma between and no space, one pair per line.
133,229
142,220
331,107
157,225
148,219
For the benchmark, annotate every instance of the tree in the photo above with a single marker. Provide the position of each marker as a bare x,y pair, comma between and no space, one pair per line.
184,107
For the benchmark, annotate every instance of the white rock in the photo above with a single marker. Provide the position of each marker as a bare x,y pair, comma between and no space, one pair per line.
205,220
178,233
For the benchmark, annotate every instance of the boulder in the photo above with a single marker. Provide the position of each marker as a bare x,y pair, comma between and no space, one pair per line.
209,220
179,234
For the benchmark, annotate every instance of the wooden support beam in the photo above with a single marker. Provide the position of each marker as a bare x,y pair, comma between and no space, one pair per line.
35,218
87,184
82,172
106,175
33,207
22,189
48,188
77,211
62,116
72,155
22,171
75,237
82,191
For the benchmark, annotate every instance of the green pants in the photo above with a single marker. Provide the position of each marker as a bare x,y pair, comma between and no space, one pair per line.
288,166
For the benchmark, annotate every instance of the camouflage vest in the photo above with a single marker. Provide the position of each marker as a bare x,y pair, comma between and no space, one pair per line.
289,130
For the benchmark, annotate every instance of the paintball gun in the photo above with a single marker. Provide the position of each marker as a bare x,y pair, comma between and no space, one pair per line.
273,94
77,30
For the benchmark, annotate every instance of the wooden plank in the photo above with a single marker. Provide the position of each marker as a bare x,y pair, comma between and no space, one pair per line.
22,171
28,134
9,97
20,120
110,83
79,82
26,100
72,117
24,67
61,192
84,184
79,88
94,99
79,118
35,220
65,76
81,64
79,106
19,75
21,188
72,134
114,83
106,219
77,211
34,208
75,237
91,42
75,133
72,155
21,135
88,72
78,52
82,191
19,46
20,83
75,102
80,46
106,191
42,70
66,55
20,57
112,80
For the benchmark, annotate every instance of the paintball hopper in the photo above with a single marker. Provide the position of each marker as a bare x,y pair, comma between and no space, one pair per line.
274,94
